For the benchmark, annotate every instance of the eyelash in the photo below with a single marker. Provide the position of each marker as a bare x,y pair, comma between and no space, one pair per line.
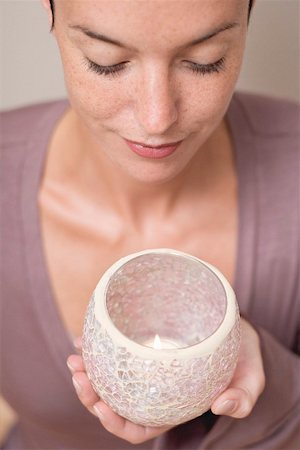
204,69
105,70
201,69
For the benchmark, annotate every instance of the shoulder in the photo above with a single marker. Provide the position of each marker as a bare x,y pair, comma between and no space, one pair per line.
22,124
269,116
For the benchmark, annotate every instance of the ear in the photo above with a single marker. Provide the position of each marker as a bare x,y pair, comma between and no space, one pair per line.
46,5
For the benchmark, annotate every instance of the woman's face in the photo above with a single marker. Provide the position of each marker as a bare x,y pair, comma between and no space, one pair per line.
153,72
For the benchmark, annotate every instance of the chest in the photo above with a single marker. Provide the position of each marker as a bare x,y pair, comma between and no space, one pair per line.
77,253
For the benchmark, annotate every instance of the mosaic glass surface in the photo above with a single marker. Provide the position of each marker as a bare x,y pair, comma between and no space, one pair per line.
186,303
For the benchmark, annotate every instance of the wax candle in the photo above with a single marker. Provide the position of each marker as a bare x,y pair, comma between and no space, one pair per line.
163,343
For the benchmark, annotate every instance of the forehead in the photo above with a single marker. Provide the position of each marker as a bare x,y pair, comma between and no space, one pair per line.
151,19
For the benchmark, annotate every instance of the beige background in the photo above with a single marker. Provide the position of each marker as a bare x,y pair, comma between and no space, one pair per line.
31,69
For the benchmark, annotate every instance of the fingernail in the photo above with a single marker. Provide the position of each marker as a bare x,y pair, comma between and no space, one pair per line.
77,386
70,366
98,411
76,343
227,407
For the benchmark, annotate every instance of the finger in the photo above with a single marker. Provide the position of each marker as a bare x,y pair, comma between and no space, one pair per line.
75,363
247,383
234,402
123,428
85,391
77,342
241,395
110,420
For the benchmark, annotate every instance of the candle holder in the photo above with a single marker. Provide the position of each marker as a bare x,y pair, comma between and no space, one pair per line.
188,307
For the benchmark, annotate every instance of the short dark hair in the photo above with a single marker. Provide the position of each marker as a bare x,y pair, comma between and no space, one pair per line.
52,9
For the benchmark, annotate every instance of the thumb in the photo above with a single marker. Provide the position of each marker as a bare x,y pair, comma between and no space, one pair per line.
248,381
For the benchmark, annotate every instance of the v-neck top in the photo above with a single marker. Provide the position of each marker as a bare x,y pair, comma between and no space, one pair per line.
35,344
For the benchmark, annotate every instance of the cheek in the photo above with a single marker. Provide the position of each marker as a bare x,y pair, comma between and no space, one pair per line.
207,104
207,99
91,95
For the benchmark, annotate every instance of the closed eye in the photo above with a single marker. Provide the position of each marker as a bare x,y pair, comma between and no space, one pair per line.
204,69
116,69
106,70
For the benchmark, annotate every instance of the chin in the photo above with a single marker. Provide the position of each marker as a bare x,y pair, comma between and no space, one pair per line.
155,173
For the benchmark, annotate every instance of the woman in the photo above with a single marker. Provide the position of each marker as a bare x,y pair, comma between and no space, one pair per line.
152,150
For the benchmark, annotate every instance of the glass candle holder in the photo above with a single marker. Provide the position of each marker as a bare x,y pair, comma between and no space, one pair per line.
161,337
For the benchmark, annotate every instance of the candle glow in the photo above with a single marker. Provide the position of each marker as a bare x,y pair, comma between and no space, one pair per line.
159,343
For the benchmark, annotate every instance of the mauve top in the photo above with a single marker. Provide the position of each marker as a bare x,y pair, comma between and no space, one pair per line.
34,378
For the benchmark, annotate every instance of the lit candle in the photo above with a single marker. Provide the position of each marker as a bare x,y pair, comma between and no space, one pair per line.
162,343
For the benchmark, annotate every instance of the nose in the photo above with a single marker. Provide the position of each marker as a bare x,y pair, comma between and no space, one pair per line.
156,105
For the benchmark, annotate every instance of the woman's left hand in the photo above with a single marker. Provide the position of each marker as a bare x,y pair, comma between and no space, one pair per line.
248,381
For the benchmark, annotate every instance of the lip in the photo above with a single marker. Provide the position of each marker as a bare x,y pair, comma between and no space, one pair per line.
153,152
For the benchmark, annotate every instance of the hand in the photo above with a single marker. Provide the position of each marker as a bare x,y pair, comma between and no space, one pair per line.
248,381
131,432
236,401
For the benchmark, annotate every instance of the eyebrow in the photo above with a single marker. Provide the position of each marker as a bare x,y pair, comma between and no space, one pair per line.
212,34
200,40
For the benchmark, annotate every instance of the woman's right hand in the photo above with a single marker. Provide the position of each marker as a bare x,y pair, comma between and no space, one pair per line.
112,422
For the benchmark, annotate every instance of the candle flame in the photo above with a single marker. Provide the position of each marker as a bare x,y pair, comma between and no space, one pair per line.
157,342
